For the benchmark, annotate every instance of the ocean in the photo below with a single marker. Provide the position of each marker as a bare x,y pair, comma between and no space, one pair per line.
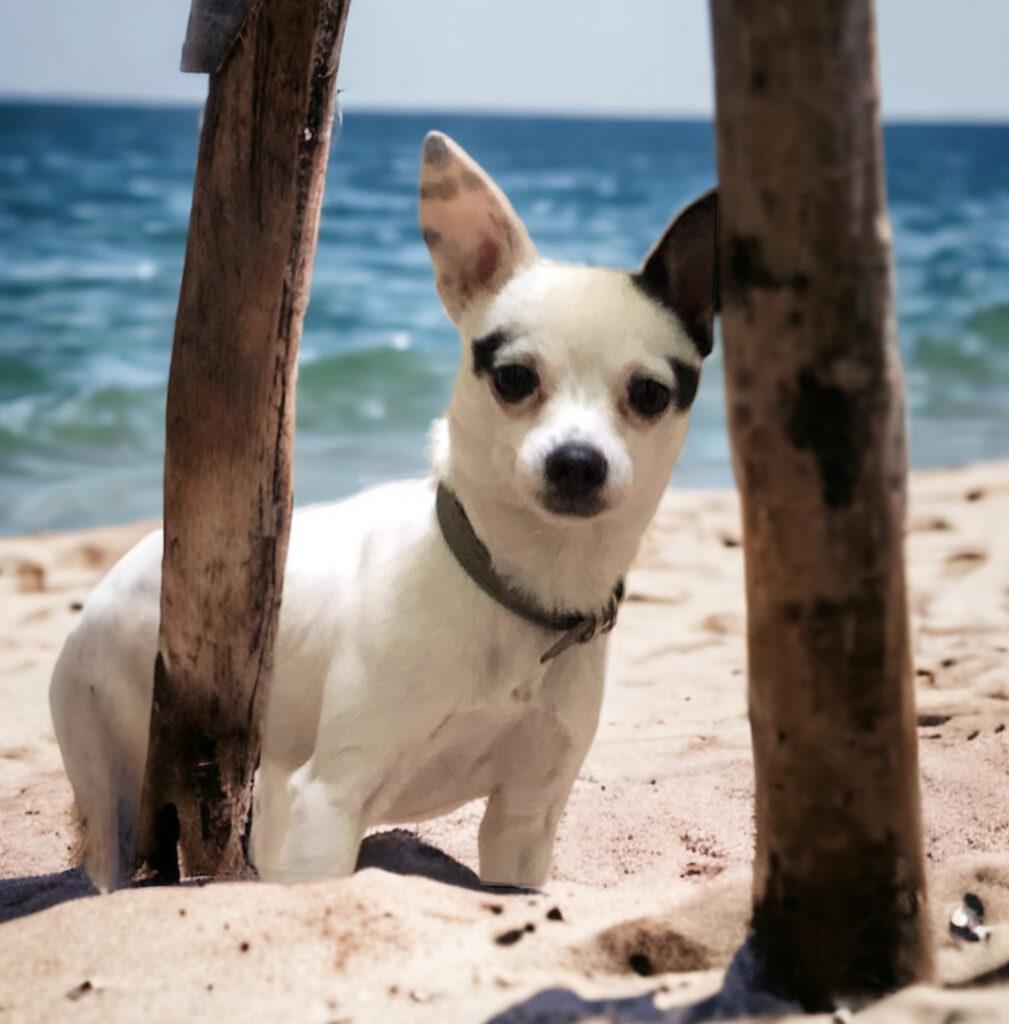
94,203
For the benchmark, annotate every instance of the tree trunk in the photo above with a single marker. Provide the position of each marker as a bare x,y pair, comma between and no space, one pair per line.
814,394
228,495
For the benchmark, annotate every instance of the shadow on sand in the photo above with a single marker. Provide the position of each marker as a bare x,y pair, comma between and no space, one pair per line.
741,996
554,1005
22,896
398,851
401,852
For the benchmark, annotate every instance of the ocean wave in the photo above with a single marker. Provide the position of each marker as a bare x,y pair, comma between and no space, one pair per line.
95,205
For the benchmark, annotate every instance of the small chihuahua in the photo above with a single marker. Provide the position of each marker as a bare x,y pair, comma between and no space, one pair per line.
440,640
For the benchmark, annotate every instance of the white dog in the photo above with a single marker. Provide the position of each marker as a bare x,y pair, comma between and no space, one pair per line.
441,640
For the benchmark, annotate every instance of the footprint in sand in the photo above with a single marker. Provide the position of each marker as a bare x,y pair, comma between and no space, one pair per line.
38,615
929,524
649,946
88,555
30,577
723,623
964,561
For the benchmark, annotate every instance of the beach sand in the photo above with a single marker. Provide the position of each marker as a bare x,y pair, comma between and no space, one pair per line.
650,888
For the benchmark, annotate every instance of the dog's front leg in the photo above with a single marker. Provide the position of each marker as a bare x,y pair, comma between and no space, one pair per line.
308,827
517,833
537,764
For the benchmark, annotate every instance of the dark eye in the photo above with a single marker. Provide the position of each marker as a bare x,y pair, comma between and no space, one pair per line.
649,397
513,381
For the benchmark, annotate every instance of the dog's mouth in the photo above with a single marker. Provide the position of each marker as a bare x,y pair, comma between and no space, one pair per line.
581,506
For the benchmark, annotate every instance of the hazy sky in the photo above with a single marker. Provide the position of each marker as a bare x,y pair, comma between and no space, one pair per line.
940,58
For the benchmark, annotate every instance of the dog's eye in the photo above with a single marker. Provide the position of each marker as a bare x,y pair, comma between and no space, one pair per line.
513,381
649,397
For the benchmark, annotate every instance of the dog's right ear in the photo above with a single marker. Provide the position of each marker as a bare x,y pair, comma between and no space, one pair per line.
476,240
681,271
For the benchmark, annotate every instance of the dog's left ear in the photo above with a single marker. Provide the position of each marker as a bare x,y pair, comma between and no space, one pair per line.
681,271
476,240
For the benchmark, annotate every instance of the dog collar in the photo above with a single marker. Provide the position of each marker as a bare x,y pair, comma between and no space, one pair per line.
473,556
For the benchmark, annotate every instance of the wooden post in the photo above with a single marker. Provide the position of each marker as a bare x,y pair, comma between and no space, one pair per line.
814,394
228,496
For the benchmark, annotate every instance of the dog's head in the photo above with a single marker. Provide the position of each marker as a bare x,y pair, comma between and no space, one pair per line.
576,382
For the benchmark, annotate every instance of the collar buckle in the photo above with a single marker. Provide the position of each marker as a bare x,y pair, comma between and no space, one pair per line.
589,627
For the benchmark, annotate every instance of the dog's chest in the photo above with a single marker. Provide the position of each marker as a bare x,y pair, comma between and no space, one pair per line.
457,755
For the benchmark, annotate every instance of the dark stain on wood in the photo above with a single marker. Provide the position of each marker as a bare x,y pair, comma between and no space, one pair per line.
750,270
824,420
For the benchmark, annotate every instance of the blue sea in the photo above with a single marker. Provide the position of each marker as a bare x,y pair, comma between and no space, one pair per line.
94,203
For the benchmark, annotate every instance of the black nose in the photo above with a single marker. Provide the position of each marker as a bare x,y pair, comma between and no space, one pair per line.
576,470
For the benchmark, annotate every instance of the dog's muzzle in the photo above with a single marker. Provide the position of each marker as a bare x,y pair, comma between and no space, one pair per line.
575,476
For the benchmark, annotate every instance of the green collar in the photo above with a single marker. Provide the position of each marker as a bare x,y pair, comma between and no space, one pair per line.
470,553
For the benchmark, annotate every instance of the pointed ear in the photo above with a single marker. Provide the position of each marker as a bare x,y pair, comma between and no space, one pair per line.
681,271
475,238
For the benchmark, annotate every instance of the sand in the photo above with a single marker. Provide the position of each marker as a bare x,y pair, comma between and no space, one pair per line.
650,889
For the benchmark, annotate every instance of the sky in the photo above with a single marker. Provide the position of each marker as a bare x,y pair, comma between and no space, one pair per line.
940,59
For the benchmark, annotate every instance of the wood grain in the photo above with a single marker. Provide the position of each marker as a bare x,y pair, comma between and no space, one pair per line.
228,480
815,400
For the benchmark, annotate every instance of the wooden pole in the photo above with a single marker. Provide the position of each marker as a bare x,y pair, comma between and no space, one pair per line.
816,414
228,496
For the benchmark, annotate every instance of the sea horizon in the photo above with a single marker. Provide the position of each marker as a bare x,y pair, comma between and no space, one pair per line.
503,113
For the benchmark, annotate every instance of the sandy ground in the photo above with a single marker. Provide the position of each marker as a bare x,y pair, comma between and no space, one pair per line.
650,890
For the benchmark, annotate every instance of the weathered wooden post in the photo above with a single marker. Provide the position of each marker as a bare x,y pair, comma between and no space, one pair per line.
813,385
252,235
